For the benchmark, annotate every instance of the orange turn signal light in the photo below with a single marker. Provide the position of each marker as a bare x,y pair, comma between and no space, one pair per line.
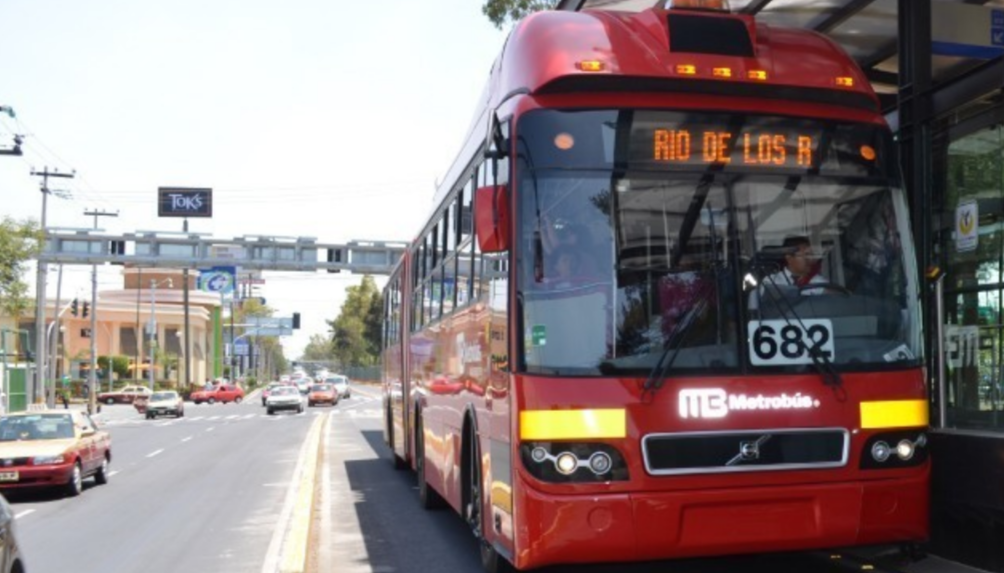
719,5
686,69
591,66
760,75
845,81
868,153
721,72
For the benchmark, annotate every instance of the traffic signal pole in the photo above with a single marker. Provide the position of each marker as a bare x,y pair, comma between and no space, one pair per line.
92,380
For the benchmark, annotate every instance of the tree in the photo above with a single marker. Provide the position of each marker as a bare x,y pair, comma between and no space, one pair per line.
355,334
501,11
19,242
319,348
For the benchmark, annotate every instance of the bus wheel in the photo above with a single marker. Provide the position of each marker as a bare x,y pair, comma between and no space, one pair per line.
491,561
399,463
428,497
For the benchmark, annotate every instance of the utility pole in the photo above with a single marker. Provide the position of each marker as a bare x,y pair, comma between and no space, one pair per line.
37,390
187,348
92,380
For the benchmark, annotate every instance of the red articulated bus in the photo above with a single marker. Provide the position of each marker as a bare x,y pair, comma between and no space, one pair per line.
667,304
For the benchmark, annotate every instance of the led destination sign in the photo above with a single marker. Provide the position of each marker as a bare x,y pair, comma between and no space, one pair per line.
692,140
764,149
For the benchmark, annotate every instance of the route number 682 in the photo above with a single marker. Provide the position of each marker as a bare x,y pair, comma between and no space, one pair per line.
780,342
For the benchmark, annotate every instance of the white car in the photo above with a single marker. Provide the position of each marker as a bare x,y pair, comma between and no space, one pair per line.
284,398
341,384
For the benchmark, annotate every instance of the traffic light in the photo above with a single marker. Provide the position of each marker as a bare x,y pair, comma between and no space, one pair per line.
296,321
87,309
74,307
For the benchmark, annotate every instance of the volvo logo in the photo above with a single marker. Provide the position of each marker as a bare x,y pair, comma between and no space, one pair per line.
749,451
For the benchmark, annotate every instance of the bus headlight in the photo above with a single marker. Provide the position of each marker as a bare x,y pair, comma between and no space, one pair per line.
881,451
905,449
889,450
567,462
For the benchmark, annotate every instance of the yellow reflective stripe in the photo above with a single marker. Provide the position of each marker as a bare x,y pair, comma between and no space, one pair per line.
894,414
572,424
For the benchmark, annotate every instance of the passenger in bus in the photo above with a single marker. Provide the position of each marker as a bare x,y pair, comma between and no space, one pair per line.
800,267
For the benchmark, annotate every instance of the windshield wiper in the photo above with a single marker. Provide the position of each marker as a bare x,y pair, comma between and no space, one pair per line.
820,362
679,334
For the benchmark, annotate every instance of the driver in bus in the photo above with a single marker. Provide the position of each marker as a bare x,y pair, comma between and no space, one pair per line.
800,269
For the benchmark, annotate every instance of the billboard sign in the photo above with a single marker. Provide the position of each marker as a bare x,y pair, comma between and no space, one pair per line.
184,202
217,279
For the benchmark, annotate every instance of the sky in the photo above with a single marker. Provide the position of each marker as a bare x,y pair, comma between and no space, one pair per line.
307,118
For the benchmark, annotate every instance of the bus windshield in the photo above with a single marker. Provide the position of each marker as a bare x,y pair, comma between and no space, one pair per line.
727,242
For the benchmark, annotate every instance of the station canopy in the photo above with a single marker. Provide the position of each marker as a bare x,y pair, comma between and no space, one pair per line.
867,30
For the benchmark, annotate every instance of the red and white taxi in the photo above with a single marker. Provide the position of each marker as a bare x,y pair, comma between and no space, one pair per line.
52,449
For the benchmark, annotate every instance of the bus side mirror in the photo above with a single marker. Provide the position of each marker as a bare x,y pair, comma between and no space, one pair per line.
491,218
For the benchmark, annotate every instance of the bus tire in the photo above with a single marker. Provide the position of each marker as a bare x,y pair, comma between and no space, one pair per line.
491,560
428,497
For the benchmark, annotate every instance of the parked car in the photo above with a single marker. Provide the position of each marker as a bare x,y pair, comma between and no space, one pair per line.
52,449
221,393
10,551
322,394
126,395
341,383
268,390
284,398
164,403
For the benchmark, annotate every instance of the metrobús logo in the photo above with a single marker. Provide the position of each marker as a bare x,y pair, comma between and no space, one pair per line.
717,403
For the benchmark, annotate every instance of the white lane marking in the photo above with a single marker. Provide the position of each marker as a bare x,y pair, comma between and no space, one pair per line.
154,453
112,473
195,419
249,416
213,418
210,429
186,439
232,416
24,513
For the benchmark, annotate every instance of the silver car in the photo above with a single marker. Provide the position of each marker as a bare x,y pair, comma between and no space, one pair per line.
341,384
284,398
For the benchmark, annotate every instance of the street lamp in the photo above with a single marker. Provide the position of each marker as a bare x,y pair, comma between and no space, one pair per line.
153,320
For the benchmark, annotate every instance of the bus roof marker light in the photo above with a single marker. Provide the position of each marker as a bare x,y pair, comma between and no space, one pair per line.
759,75
721,72
844,81
716,5
686,69
591,66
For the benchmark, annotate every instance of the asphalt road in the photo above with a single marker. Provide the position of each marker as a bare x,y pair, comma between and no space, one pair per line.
201,493
211,492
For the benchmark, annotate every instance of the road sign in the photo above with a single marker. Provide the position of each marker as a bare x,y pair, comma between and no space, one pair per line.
241,348
274,332
270,322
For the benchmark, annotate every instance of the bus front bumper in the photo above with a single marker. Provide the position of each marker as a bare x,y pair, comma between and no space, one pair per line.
666,525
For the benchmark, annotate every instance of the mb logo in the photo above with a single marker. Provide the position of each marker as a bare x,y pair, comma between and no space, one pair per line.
703,403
